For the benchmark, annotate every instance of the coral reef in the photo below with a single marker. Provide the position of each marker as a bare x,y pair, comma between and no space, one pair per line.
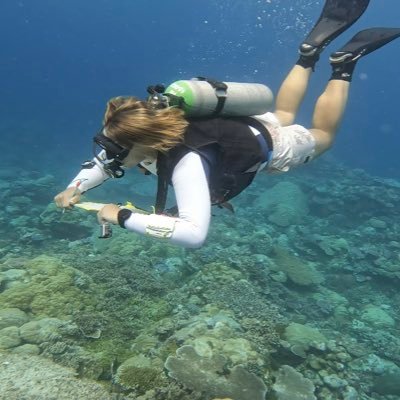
291,385
208,375
285,204
33,377
299,272
303,337
47,287
140,372
298,287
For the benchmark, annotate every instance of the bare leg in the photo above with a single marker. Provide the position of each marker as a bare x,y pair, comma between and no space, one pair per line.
336,17
330,106
328,113
291,94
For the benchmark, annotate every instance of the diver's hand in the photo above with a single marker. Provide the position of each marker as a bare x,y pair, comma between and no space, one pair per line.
109,213
68,197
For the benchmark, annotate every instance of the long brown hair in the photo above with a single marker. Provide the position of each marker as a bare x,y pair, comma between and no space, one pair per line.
128,121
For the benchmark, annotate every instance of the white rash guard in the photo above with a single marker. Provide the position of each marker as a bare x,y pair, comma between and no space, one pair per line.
88,178
189,180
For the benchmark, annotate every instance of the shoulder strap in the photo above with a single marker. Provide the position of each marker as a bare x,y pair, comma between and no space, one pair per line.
162,184
163,177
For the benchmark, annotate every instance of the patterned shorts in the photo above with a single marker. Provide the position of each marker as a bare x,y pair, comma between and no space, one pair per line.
293,145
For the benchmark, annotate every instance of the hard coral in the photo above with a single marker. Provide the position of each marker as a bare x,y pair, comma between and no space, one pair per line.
298,271
285,202
139,373
292,385
211,376
48,290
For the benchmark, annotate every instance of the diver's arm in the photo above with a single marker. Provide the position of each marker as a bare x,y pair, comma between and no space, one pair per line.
92,174
90,177
192,194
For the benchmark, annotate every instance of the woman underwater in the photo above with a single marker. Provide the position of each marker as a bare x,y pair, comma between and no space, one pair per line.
211,160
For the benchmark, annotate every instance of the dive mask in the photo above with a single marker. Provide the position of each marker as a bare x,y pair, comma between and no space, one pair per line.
115,154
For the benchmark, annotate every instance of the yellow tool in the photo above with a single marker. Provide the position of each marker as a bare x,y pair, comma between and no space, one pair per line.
92,206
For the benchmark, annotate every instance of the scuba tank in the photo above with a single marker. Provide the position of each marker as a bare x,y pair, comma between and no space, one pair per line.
202,97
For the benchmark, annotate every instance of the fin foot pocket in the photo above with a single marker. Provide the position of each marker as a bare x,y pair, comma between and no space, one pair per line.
363,43
336,17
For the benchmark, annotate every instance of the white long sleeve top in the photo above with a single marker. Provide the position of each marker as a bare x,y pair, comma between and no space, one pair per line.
190,184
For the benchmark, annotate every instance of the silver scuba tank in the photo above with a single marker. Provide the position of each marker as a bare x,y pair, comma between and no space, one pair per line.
202,97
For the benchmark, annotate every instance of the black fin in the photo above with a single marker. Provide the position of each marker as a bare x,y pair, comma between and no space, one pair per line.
336,17
363,43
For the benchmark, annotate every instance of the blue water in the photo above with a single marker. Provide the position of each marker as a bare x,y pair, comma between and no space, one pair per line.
61,61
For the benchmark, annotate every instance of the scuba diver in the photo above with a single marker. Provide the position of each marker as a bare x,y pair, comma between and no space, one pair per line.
212,159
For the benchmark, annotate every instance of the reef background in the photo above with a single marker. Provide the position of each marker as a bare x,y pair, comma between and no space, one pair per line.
298,290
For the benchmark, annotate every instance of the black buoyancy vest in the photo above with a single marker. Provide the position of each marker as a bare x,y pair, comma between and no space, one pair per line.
238,156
